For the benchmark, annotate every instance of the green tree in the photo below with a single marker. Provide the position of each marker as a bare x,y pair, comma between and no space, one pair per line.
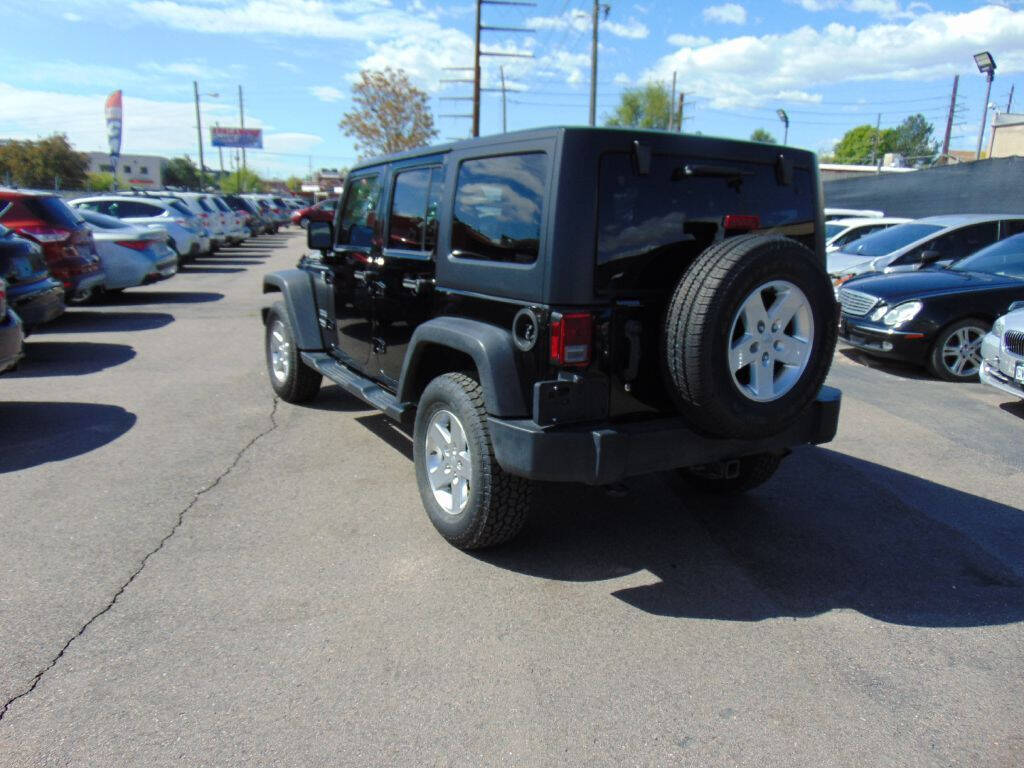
99,182
294,184
389,114
859,144
913,140
41,163
763,136
181,172
241,181
649,106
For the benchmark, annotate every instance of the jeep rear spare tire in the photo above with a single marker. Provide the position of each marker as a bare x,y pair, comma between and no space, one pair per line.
749,336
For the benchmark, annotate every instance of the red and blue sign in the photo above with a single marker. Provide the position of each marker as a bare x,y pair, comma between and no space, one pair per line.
243,138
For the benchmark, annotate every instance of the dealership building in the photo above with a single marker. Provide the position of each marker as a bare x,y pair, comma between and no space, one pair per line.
132,170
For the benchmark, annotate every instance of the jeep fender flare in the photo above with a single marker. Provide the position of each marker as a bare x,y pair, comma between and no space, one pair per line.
492,351
296,286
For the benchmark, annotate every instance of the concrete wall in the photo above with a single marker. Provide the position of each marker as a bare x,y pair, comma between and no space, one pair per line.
132,170
987,186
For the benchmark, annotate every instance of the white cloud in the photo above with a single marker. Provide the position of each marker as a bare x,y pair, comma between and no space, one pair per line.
622,79
292,143
582,22
727,13
326,93
287,65
69,16
748,70
688,41
889,9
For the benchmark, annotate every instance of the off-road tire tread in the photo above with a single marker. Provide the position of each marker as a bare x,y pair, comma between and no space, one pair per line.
504,499
304,383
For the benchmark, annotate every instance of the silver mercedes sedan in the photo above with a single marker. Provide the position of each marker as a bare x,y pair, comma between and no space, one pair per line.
1002,352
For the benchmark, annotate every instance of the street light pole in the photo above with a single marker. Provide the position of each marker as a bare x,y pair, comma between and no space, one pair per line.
987,66
199,135
785,122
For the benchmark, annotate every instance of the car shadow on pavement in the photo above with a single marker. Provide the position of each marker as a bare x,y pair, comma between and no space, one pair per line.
829,532
69,358
129,298
218,262
199,269
1015,408
331,397
892,367
87,321
35,433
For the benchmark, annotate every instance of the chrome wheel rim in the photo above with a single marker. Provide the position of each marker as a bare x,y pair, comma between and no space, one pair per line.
961,352
449,462
280,351
771,341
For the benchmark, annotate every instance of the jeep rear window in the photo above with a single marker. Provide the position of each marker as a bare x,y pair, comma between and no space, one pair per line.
412,223
498,207
638,215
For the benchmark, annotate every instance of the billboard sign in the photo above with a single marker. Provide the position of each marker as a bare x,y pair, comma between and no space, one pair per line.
245,138
113,113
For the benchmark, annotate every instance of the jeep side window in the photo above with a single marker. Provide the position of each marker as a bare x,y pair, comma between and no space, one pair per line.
413,220
498,206
358,222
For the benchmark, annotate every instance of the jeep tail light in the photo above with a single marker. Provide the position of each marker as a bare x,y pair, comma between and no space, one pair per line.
571,337
45,234
736,222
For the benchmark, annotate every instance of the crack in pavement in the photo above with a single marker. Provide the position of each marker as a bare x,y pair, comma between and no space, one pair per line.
142,564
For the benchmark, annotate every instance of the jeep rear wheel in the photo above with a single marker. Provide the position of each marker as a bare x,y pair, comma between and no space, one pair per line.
749,336
291,379
470,500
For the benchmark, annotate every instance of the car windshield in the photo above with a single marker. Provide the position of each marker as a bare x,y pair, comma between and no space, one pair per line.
831,230
1005,258
102,220
181,208
204,204
889,240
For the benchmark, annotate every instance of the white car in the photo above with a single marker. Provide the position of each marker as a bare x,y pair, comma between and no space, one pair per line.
1002,352
849,213
932,240
234,222
131,255
201,205
841,232
186,233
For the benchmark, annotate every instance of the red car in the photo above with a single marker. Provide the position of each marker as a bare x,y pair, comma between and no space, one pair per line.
67,243
322,211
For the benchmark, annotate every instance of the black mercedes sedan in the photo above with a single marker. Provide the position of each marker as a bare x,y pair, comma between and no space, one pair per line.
935,316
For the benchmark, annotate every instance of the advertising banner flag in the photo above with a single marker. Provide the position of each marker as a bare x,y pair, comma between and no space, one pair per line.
246,138
113,115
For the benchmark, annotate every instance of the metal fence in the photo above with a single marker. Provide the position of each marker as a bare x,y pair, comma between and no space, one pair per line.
989,186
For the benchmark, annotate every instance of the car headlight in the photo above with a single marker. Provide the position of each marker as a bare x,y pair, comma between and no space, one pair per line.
999,326
879,313
902,313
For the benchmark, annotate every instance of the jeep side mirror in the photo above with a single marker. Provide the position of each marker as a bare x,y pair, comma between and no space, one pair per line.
930,257
319,236
1014,306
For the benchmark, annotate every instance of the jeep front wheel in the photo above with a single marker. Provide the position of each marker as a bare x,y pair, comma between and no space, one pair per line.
291,379
469,499
749,336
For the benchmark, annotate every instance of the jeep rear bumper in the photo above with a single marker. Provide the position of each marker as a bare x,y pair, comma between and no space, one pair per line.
603,454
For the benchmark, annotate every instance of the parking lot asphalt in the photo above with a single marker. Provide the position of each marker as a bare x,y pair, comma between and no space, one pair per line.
195,574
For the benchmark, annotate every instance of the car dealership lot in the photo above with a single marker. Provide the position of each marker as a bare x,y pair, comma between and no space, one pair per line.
195,574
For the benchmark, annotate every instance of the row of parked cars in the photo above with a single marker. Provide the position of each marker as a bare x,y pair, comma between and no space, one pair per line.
944,292
54,251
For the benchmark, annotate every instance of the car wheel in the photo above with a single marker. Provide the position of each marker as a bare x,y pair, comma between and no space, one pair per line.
732,477
469,498
291,379
303,222
749,336
956,352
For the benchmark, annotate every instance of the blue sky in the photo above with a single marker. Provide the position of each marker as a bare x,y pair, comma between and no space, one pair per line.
831,64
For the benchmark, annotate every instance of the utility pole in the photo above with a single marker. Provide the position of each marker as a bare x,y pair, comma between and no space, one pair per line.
598,7
199,134
874,147
504,102
949,120
220,152
477,53
679,113
1009,101
241,117
672,103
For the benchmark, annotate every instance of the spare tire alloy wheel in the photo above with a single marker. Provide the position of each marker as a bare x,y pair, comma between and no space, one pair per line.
749,335
771,341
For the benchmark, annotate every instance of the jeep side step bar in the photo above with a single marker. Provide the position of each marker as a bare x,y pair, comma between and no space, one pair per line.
360,386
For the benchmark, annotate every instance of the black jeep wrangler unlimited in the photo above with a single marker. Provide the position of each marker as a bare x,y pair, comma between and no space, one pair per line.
570,304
